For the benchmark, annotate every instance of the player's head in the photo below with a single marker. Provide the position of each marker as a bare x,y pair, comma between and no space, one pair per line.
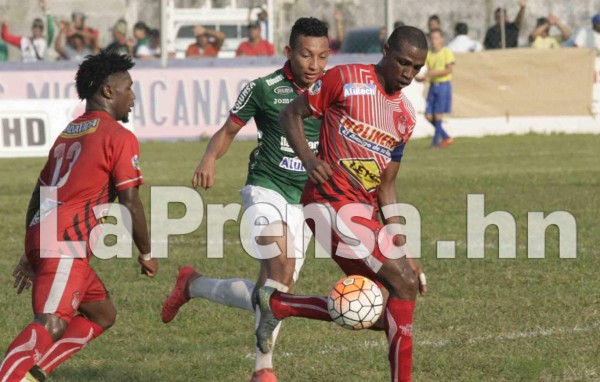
37,28
596,22
76,41
437,39
500,16
254,31
404,55
433,22
103,80
78,20
461,28
308,50
543,21
140,30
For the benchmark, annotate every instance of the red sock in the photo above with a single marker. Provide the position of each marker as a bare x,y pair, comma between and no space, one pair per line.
79,332
24,352
398,326
286,305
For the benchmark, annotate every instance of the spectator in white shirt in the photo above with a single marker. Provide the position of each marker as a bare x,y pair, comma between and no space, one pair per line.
462,43
590,38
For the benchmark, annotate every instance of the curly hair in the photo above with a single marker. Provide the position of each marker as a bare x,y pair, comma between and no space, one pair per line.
95,70
307,26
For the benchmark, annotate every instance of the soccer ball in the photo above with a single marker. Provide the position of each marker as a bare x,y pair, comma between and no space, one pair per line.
355,302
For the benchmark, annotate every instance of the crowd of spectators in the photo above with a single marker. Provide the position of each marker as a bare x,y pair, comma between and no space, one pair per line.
75,40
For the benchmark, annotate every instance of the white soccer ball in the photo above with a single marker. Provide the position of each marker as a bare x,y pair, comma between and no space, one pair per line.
355,302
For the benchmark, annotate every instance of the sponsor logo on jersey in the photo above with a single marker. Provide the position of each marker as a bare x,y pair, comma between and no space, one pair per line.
365,171
354,89
283,90
281,101
315,88
135,162
244,97
74,130
369,137
285,146
292,164
274,80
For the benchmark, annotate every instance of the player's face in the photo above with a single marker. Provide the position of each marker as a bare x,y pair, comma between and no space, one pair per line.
123,95
437,40
308,58
597,27
400,66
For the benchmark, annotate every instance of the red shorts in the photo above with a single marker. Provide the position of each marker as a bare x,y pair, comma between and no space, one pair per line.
360,244
62,284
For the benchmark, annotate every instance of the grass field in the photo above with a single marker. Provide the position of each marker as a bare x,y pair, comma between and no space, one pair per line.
484,320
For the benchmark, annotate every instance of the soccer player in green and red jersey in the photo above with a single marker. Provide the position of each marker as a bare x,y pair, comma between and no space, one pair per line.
276,178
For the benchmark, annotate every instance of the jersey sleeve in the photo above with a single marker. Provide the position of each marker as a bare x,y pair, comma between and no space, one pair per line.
324,92
125,171
247,103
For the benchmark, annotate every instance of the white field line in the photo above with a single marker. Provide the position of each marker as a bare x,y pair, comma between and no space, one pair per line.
542,332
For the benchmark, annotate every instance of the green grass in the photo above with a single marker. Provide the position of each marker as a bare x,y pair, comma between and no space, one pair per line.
484,319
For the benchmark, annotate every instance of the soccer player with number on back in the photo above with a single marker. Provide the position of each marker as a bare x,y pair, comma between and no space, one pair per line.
366,123
93,161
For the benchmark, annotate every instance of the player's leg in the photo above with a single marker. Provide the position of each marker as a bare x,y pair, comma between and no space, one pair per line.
52,293
98,314
444,107
430,105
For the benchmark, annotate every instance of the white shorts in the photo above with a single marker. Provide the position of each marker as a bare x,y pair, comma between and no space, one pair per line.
263,206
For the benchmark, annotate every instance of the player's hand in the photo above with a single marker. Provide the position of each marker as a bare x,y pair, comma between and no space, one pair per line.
522,3
418,269
204,176
149,267
199,30
552,20
318,170
23,274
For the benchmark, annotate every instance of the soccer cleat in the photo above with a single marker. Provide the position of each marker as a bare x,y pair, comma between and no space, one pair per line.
264,375
267,322
446,142
178,295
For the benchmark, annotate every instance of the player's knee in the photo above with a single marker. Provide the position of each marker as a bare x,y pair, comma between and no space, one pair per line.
404,283
55,325
108,320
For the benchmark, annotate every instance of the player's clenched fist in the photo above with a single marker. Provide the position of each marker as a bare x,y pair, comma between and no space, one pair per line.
149,265
318,170
204,176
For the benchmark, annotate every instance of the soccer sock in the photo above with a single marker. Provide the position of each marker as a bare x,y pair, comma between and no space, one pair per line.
231,292
440,129
286,305
398,327
24,351
79,332
436,133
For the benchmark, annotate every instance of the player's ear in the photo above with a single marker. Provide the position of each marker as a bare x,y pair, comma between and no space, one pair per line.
385,50
288,52
106,91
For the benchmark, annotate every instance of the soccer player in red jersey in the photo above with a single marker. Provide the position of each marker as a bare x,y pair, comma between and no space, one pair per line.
366,123
92,162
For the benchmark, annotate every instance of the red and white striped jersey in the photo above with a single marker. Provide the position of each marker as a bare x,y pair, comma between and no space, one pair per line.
363,129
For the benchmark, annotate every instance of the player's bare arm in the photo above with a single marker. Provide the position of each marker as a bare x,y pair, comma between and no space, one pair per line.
387,196
23,272
291,123
130,199
204,176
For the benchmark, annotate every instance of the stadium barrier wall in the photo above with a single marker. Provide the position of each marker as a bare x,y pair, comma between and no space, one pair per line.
503,92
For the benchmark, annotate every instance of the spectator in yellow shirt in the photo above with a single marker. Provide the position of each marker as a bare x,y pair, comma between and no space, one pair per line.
440,61
540,37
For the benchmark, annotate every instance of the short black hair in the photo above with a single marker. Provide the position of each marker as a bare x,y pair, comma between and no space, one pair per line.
461,28
407,34
95,70
434,17
307,26
541,21
140,25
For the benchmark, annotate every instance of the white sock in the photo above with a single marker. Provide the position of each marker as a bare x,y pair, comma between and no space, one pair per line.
265,361
231,292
